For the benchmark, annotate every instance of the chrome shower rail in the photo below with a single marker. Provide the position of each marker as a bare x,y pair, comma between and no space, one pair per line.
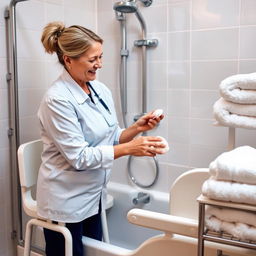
122,8
13,131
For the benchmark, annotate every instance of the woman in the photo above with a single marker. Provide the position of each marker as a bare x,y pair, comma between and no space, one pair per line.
81,138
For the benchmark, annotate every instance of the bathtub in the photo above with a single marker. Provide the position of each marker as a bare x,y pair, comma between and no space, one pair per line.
124,236
175,238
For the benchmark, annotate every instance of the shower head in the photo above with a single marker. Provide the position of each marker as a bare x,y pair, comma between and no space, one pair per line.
125,6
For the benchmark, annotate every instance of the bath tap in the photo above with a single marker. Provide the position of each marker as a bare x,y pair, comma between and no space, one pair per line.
142,198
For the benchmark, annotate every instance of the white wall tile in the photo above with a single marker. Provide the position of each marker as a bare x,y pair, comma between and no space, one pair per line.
215,44
157,75
178,103
202,103
60,2
179,16
247,66
203,133
208,74
248,16
30,129
86,19
52,71
178,46
248,37
159,22
53,12
178,130
178,154
29,101
30,15
28,67
134,74
134,104
108,22
245,137
202,156
178,75
212,13
157,99
111,48
29,44
109,74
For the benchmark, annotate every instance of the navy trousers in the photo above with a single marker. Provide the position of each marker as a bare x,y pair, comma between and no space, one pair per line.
90,227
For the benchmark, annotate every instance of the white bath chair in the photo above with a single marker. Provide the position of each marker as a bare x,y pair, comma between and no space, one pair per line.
29,160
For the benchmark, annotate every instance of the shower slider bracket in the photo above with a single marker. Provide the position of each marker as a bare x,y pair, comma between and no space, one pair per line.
146,42
124,52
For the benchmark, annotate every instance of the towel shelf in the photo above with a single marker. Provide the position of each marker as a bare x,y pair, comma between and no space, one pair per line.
220,237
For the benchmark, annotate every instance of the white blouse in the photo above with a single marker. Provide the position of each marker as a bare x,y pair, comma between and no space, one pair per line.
78,137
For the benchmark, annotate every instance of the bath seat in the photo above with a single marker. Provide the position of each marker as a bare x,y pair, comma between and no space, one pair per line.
180,228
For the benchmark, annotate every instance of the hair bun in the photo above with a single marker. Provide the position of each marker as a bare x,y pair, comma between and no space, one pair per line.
51,33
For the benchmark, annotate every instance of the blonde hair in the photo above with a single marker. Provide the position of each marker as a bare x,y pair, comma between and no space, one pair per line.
72,41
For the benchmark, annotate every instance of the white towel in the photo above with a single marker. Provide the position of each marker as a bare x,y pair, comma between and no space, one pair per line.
231,215
235,115
236,165
229,191
239,88
238,230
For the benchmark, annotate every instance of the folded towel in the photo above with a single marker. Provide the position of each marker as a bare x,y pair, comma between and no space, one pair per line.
235,115
231,215
238,230
236,165
239,88
229,191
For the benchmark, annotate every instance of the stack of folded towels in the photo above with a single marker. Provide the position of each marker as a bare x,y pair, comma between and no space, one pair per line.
233,179
237,105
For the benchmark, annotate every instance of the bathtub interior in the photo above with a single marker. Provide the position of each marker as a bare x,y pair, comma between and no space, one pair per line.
121,232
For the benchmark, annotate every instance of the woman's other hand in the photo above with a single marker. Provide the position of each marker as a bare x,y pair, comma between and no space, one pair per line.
140,146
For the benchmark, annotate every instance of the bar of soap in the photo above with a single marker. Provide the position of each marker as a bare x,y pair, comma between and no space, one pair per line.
158,112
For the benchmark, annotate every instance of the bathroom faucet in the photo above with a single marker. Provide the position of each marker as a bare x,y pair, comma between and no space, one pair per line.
142,198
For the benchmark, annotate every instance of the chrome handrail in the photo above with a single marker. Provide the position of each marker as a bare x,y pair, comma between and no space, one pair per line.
13,131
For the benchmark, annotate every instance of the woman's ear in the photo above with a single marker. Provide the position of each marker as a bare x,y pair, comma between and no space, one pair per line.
67,61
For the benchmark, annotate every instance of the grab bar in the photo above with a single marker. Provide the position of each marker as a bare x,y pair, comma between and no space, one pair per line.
13,131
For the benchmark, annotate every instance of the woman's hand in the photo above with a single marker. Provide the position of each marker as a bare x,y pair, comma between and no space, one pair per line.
148,122
141,146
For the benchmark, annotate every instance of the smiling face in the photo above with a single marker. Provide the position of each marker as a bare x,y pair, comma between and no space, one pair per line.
83,69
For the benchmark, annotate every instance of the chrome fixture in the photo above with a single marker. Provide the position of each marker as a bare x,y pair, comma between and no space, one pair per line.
122,8
142,198
13,131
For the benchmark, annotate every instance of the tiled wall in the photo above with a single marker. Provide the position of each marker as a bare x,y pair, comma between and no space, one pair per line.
36,71
201,42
